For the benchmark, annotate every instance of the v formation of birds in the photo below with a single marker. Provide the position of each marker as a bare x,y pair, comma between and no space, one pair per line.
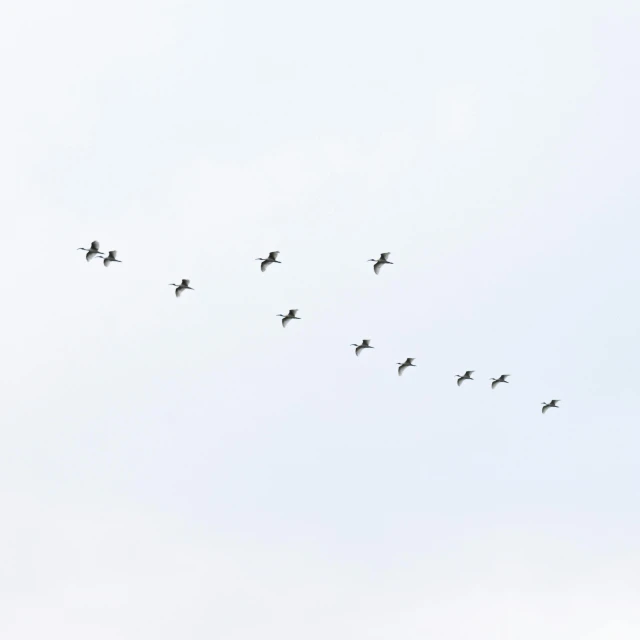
94,250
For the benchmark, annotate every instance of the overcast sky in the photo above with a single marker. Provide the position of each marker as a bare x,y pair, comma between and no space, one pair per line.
185,468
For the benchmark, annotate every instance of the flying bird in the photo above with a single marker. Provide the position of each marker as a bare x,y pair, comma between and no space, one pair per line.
181,287
383,259
93,251
273,257
111,258
365,345
550,405
466,376
403,365
290,316
502,378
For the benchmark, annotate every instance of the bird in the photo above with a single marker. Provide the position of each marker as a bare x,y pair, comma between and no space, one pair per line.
93,251
502,378
273,257
111,258
466,376
365,345
181,287
290,316
383,259
403,365
550,405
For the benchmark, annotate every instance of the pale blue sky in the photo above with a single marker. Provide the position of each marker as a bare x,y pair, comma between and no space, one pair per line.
186,468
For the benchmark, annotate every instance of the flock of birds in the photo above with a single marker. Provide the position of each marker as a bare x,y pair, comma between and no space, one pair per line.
94,250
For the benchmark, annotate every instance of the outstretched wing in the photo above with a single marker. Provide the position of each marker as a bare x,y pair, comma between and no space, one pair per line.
264,265
107,261
285,321
493,384
273,255
185,283
460,381
358,350
293,312
179,291
401,368
366,342
376,267
468,373
544,409
112,254
91,255
95,245
555,401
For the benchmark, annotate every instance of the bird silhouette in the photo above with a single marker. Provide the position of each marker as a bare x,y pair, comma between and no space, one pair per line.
382,260
502,378
111,258
403,365
181,287
550,405
365,345
273,257
466,376
290,316
93,251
